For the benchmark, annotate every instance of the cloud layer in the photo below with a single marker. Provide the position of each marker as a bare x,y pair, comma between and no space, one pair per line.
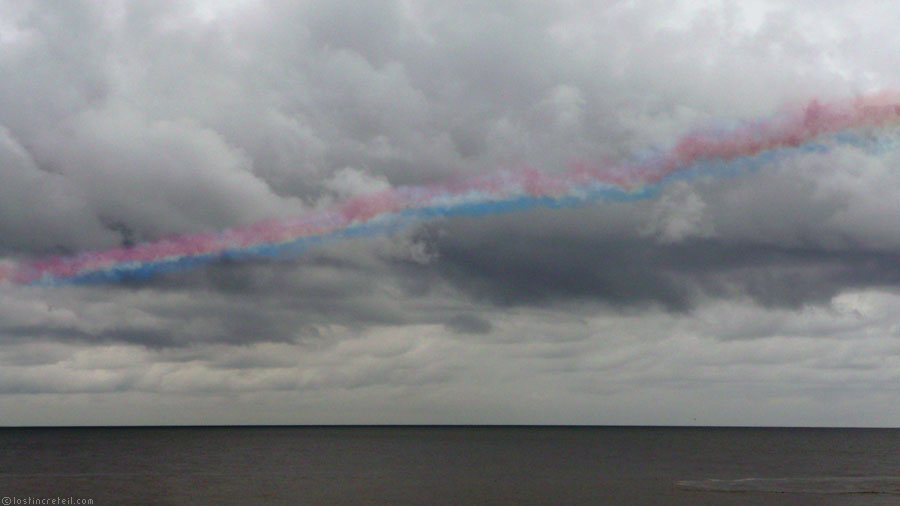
769,293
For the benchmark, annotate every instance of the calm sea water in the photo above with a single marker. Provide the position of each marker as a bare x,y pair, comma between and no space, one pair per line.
453,465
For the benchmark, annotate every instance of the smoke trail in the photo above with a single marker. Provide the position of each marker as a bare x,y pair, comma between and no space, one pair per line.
505,191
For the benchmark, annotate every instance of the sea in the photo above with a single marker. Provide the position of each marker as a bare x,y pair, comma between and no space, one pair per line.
456,465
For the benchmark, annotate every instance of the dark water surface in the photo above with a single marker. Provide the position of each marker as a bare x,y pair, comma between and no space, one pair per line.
453,465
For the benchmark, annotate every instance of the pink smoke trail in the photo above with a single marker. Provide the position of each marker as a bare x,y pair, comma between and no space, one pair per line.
789,129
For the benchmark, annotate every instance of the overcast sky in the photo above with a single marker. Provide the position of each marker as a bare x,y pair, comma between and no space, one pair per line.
767,298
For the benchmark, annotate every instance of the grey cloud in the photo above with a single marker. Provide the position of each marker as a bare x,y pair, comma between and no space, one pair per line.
469,324
127,121
351,285
509,264
269,101
62,220
150,337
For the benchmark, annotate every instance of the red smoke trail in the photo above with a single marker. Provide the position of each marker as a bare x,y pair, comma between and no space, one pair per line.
789,129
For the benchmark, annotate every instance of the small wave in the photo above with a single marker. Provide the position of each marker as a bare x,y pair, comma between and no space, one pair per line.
822,485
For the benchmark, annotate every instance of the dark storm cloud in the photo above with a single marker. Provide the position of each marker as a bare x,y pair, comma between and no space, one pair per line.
355,285
146,337
316,289
516,266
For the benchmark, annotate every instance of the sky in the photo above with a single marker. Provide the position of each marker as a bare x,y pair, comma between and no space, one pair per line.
758,290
